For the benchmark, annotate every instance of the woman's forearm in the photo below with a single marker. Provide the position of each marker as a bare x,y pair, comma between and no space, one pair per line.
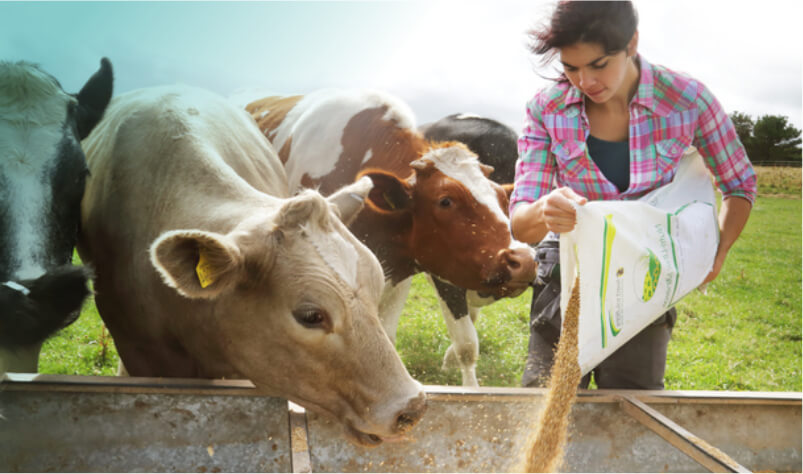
733,216
527,224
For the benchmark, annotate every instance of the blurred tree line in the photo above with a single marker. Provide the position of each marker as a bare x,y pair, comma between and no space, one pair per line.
770,138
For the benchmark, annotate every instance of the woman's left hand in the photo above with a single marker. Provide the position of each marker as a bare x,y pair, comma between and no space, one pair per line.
719,260
733,216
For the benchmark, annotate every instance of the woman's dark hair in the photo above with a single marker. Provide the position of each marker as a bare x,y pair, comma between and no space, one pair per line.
609,24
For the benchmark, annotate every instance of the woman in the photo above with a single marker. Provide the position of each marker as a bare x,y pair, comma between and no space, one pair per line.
613,126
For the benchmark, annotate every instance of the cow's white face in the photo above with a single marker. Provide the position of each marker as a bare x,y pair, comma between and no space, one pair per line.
297,296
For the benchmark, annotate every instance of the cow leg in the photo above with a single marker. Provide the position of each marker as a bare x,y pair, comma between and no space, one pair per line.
20,359
465,348
392,304
475,302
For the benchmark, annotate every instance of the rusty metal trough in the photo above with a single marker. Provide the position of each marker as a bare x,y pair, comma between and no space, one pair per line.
121,424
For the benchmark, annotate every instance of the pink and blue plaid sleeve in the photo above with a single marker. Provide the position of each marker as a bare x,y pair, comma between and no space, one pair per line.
725,156
535,169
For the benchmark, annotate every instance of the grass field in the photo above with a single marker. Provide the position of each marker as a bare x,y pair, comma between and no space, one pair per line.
744,335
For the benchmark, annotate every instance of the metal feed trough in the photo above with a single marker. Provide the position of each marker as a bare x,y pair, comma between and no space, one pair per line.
92,424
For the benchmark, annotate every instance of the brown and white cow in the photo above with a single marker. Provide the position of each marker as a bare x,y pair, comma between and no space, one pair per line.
495,145
206,268
432,208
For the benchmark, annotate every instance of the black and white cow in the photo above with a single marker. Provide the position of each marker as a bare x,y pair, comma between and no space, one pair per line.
494,142
496,145
42,176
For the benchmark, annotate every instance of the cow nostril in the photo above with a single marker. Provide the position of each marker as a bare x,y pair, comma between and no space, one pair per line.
404,422
510,259
411,414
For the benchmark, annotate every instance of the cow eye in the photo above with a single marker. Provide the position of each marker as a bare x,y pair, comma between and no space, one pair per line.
445,202
311,317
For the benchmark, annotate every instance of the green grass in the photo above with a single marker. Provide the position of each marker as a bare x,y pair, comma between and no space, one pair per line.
82,348
744,335
422,339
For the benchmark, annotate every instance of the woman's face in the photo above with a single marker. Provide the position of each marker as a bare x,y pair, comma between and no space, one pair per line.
598,75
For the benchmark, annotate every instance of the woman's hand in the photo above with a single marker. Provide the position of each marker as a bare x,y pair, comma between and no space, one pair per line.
552,212
733,216
558,209
719,260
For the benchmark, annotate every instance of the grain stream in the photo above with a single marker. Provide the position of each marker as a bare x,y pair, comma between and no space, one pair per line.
548,436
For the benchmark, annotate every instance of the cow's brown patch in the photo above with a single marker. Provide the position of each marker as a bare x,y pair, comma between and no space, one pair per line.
284,153
269,113
392,149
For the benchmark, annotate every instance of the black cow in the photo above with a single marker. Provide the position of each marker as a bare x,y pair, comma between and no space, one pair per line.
42,175
496,145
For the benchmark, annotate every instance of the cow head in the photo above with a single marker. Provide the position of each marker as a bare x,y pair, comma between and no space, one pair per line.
296,297
42,175
457,225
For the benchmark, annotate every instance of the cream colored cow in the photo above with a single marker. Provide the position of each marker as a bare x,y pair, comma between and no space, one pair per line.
207,268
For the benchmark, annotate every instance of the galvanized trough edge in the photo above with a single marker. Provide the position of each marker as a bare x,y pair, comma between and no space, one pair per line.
633,402
91,383
693,446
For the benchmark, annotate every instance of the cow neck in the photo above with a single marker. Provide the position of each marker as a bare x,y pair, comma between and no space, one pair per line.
193,206
388,241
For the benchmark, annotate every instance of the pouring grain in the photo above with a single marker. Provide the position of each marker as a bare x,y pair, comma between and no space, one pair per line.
545,451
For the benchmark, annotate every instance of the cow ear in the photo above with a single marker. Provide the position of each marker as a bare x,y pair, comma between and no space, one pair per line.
389,194
422,164
93,98
486,169
197,264
505,190
349,200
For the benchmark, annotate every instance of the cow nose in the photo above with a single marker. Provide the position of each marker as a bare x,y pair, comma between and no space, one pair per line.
411,414
520,263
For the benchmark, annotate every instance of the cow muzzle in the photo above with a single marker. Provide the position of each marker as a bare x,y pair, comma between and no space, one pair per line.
33,309
515,270
404,421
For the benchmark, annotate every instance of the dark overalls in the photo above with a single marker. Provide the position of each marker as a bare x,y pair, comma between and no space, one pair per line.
638,364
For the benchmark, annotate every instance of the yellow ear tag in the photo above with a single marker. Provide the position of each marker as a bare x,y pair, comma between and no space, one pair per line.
204,271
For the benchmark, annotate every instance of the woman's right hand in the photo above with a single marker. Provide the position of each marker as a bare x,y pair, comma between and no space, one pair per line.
557,210
551,212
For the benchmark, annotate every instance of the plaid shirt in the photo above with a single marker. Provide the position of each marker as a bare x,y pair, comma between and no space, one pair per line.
669,112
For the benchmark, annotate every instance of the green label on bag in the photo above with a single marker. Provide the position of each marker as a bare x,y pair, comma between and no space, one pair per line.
652,276
608,233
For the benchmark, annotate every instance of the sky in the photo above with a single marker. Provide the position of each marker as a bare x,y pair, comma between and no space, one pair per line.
440,57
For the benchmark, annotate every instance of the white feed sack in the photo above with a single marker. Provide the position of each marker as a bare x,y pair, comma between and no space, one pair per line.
636,259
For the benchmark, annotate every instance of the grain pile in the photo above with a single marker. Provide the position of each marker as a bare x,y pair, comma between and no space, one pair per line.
548,437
